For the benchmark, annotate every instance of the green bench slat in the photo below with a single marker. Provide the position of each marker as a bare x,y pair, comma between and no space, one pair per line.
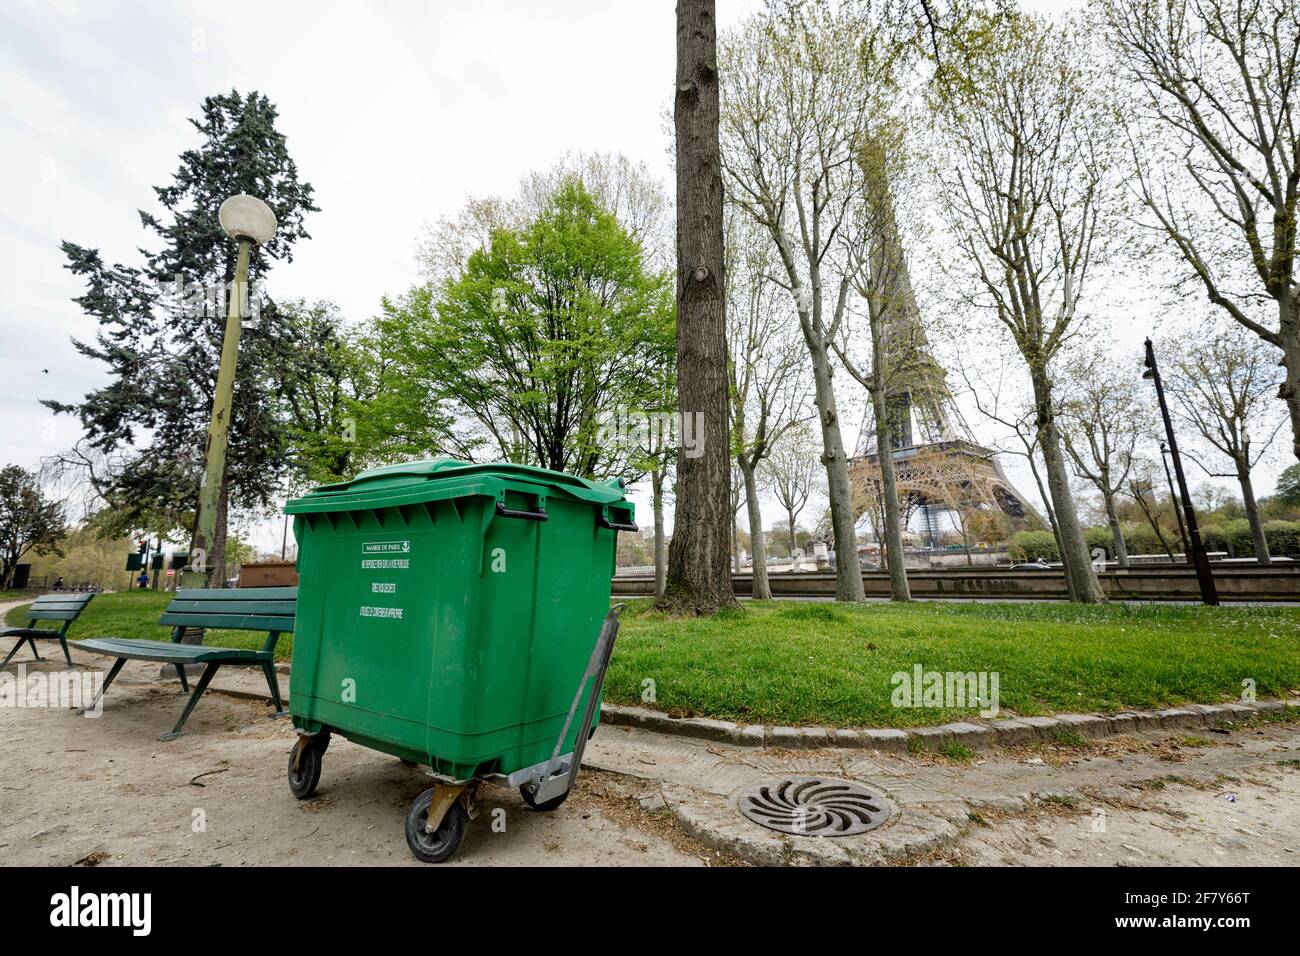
267,608
42,614
231,622
70,599
237,594
140,649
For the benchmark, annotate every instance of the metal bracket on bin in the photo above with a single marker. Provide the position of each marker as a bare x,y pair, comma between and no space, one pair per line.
558,774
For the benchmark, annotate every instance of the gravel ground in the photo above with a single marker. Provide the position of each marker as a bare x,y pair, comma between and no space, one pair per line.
106,791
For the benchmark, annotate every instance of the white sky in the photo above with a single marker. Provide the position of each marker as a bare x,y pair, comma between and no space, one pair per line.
394,111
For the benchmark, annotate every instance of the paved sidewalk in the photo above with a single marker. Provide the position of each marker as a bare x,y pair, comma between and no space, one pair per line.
1148,799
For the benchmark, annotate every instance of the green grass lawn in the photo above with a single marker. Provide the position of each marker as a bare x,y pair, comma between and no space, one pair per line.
135,614
805,663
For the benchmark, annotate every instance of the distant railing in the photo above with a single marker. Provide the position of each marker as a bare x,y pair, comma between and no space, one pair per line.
1149,582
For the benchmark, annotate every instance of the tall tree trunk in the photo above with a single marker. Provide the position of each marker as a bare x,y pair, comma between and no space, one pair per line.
848,576
1051,522
1074,549
794,545
699,580
1289,332
1116,532
762,590
661,545
899,590
1252,514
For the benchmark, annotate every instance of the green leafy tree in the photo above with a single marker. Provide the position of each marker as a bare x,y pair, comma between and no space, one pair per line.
161,326
28,520
544,332
331,372
1288,487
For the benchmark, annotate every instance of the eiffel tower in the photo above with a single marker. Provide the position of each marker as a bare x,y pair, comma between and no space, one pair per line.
939,466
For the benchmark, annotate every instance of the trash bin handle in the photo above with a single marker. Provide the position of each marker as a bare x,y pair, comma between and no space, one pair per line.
538,515
604,522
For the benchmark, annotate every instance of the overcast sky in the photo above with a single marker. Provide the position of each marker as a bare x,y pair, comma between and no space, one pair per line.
394,111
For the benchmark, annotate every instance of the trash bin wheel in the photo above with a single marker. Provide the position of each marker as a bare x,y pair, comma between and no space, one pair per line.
303,778
546,806
407,763
438,846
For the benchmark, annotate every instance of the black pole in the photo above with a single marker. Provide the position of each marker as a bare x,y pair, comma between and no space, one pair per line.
1173,500
1209,595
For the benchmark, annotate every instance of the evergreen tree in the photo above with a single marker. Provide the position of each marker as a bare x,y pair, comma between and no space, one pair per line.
161,325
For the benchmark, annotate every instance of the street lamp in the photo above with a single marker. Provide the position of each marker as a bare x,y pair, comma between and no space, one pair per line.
1209,595
248,221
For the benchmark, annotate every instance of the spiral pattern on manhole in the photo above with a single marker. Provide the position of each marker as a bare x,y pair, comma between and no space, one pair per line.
813,806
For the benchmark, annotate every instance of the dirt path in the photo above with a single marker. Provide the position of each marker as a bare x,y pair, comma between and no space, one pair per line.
105,790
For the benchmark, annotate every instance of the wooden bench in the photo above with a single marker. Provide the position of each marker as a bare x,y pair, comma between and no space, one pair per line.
239,609
63,607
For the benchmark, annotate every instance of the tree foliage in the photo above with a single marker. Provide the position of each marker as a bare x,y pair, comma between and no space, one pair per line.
28,520
160,326
544,330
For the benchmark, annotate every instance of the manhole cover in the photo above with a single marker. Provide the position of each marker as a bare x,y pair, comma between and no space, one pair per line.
814,806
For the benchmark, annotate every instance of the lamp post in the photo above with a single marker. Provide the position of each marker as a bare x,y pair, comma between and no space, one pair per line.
248,221
1209,595
1173,500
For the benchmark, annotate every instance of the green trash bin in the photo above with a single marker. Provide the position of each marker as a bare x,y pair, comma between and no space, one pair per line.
447,614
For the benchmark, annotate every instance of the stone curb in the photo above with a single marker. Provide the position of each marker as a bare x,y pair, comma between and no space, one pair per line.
975,736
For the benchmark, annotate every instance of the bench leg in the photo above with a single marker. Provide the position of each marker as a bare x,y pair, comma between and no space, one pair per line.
199,688
10,655
35,652
67,656
112,672
180,672
268,669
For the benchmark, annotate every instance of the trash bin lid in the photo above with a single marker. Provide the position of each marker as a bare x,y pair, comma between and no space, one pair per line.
443,478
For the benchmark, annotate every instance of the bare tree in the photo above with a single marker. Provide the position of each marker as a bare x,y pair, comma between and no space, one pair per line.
997,402
1223,387
1031,196
699,580
1141,488
791,469
737,502
765,371
1101,432
655,457
895,355
803,84
1220,80
627,189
